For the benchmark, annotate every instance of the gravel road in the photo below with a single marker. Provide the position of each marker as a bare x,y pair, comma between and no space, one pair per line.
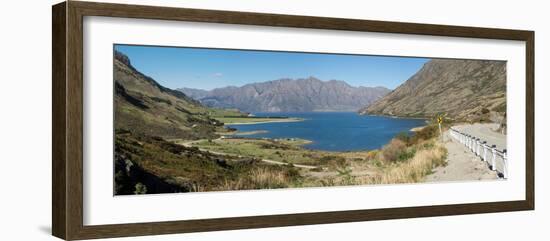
486,132
462,164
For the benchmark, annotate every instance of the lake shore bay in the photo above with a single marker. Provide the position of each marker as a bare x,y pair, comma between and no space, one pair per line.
329,131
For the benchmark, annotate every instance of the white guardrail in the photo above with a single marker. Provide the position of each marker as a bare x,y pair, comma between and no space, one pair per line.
496,159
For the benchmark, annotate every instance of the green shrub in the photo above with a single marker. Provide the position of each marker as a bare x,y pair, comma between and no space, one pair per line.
406,154
403,136
346,177
140,188
428,145
500,108
333,161
426,133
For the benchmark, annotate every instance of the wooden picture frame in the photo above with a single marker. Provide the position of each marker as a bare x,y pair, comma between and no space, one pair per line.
67,124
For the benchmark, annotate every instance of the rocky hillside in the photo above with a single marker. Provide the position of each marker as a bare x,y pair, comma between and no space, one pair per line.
146,115
287,95
144,106
472,90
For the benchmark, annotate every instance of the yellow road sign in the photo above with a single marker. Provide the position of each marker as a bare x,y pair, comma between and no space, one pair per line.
439,119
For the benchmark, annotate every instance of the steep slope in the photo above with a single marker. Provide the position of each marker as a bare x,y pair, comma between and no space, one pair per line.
287,95
144,106
464,89
146,113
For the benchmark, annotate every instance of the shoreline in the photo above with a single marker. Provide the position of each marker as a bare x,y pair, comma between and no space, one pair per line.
266,121
418,128
398,117
248,133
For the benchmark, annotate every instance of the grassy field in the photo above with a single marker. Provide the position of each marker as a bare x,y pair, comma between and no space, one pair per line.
146,164
283,151
405,159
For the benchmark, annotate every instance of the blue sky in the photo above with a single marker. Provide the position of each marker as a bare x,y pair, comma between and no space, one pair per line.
176,67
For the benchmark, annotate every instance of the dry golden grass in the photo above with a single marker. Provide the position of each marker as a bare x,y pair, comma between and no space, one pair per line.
265,177
372,154
260,178
363,172
414,170
400,161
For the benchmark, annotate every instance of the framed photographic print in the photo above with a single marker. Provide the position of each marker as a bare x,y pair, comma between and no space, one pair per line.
171,120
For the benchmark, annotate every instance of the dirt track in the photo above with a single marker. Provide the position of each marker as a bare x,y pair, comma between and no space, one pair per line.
189,144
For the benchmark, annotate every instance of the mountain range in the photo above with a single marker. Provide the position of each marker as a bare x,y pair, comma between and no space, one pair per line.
289,95
463,89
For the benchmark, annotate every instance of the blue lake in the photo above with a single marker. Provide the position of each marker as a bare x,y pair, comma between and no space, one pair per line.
334,131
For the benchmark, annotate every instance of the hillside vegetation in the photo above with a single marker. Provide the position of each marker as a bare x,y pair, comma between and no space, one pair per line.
145,164
466,90
147,115
144,106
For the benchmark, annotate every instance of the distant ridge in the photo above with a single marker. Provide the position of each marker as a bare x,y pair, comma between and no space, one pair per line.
288,95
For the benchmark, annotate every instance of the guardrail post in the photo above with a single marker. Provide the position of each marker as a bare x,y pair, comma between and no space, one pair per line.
493,160
478,142
474,145
479,147
484,145
505,164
